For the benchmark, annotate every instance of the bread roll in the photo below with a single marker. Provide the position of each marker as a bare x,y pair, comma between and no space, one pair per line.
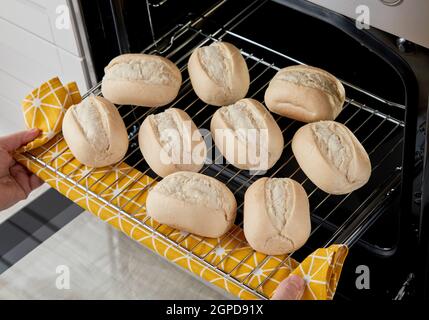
142,80
247,135
194,203
219,74
170,142
305,94
95,132
331,157
276,216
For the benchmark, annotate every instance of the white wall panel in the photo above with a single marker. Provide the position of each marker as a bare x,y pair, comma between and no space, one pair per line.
39,18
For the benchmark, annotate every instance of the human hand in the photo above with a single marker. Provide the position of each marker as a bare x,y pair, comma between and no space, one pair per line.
292,288
16,182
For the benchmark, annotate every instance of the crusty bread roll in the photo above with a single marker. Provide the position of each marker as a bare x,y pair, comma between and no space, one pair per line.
247,135
276,216
219,74
142,80
194,203
331,157
95,132
305,94
170,142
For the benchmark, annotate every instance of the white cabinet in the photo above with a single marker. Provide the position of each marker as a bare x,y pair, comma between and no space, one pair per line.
33,50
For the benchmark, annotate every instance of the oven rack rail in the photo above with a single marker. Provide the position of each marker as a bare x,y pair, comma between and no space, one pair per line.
355,108
156,4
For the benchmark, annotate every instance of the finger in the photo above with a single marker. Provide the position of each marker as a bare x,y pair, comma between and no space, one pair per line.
6,161
11,194
21,176
35,182
14,141
292,288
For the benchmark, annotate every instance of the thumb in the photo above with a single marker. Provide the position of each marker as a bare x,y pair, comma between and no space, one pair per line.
292,288
12,142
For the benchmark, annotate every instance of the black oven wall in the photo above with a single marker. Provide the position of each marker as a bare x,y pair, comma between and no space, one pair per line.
120,26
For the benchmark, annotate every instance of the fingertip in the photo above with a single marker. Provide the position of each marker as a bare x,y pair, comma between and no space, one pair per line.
292,288
32,133
12,142
297,280
299,284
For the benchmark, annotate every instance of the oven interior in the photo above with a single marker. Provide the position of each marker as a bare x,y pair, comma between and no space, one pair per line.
272,36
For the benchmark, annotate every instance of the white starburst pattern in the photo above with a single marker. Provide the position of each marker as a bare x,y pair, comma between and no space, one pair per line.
307,278
37,103
219,251
50,134
227,261
258,272
116,192
249,266
55,154
84,172
183,234
309,275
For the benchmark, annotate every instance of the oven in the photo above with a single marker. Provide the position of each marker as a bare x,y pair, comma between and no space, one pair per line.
385,224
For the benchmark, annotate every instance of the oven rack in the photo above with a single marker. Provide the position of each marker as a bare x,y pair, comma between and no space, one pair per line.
176,33
156,4
380,133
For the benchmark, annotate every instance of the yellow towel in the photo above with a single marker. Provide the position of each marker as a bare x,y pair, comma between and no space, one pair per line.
123,186
44,108
321,271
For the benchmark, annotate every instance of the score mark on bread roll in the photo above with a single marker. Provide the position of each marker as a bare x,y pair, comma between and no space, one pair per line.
95,132
276,216
247,135
194,203
219,74
305,93
142,80
171,142
331,157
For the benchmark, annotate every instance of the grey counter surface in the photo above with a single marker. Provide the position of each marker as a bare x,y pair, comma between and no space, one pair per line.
99,263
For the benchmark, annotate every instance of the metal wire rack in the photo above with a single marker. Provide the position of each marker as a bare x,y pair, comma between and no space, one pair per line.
380,134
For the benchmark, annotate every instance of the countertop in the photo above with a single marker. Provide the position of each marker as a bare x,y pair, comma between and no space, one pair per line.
102,263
